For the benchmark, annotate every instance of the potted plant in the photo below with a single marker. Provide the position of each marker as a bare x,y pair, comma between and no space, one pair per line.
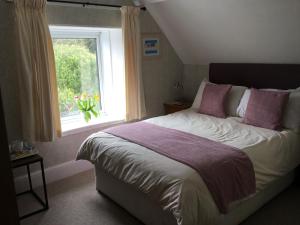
87,104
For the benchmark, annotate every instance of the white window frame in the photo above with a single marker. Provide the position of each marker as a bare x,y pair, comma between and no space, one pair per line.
105,73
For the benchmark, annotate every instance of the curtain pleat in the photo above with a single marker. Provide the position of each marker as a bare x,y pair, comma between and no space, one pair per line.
135,100
36,72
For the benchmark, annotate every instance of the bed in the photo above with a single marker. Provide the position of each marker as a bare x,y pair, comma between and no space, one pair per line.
162,191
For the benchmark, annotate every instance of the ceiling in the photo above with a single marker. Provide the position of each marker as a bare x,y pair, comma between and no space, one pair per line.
203,31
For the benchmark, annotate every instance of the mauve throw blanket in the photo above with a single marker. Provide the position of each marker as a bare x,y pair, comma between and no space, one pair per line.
227,172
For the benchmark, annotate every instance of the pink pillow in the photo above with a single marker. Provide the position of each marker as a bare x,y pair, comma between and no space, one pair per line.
213,99
265,108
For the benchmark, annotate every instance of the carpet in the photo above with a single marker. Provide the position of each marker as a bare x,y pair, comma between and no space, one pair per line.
75,201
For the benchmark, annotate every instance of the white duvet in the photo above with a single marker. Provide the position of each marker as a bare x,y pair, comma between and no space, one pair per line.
179,188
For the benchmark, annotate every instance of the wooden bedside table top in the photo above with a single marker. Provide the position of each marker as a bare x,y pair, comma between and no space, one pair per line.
178,104
175,106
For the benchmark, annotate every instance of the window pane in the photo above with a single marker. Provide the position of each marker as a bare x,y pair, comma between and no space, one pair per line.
77,71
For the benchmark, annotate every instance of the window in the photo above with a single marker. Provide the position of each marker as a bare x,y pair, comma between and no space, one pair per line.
89,64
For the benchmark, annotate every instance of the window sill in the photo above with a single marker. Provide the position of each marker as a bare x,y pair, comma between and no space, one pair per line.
93,125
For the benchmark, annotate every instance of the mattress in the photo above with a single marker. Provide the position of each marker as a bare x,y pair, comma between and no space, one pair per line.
177,188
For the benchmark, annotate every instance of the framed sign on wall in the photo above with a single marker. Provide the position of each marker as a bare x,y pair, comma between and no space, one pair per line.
151,46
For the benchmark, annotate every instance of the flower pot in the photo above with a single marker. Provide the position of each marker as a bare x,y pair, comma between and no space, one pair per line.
86,116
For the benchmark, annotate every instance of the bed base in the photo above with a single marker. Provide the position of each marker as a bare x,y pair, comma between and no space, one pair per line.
150,213
132,200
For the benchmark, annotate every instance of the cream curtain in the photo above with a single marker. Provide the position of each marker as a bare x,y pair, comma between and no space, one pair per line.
36,72
135,100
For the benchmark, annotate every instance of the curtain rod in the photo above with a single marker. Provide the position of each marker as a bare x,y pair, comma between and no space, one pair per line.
84,4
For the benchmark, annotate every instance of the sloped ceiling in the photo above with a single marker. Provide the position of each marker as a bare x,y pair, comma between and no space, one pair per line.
203,31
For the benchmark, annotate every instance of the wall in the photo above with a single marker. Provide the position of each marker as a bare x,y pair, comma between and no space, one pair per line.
192,77
83,16
159,76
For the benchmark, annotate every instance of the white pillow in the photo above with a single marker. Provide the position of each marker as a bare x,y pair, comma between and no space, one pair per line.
241,109
233,99
291,116
198,98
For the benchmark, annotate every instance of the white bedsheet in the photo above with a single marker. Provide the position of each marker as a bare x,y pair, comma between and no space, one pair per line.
273,153
177,187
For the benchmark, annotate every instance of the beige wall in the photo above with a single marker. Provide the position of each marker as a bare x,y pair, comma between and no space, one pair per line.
83,16
159,76
192,77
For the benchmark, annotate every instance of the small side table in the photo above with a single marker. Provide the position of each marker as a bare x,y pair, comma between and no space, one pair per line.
171,107
27,162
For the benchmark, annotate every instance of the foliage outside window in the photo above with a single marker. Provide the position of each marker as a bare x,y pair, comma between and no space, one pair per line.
77,73
90,75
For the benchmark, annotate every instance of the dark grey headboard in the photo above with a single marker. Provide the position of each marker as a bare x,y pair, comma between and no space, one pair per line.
279,76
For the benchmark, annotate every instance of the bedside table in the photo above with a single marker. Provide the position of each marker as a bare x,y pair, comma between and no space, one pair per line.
171,107
27,161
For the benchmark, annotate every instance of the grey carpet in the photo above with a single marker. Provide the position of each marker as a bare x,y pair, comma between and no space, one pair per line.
74,201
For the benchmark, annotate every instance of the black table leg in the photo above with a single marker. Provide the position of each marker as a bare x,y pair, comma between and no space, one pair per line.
44,185
29,176
26,162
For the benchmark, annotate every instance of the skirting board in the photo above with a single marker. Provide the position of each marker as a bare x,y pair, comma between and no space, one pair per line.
53,174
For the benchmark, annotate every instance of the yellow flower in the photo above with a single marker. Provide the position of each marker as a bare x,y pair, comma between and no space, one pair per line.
83,96
97,98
